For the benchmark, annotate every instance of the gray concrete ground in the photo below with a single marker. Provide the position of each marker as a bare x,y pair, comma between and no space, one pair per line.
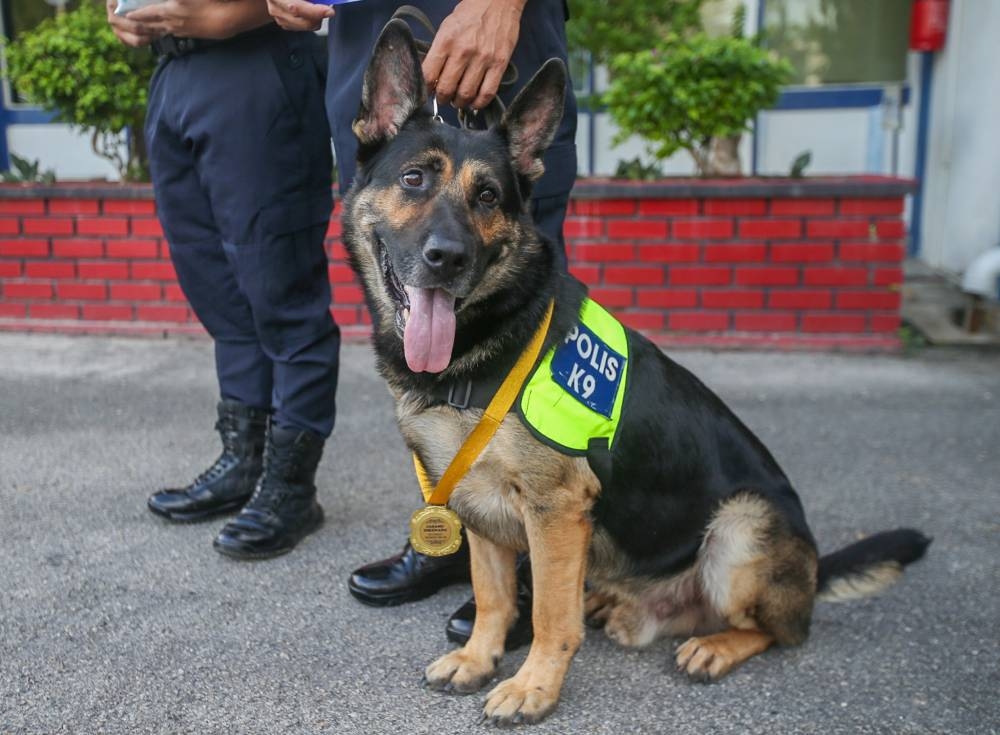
114,621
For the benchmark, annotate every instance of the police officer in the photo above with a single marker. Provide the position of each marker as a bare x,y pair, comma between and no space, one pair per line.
476,40
241,166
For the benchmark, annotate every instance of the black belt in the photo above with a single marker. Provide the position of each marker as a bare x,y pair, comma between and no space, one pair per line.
173,46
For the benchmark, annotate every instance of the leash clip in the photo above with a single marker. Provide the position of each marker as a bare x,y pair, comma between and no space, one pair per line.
434,106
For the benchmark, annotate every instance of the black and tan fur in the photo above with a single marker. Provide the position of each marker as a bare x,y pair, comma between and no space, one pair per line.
697,533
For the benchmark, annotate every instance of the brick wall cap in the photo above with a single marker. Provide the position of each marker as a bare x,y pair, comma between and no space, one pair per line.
77,190
856,187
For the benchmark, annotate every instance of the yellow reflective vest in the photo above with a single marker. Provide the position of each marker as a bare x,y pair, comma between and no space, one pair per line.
575,394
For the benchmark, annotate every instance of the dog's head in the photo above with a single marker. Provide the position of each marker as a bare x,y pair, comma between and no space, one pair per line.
437,221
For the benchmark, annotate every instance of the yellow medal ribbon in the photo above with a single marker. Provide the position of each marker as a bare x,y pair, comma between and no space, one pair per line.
434,530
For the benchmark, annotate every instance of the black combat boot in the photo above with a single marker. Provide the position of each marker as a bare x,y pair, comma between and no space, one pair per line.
225,486
459,626
408,576
283,508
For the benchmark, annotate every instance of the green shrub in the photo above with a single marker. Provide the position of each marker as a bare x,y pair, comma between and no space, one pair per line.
636,170
23,171
73,65
687,91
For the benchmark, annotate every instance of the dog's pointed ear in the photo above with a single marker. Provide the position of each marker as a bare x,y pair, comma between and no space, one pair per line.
393,87
532,119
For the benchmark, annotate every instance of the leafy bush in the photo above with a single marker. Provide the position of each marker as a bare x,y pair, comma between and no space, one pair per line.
73,65
687,91
636,170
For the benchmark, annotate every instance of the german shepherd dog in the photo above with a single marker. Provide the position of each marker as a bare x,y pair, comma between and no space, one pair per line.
693,531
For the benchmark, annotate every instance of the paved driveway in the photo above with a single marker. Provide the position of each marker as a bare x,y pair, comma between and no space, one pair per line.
114,621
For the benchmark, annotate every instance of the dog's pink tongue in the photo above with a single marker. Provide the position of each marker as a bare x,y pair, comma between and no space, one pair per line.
430,330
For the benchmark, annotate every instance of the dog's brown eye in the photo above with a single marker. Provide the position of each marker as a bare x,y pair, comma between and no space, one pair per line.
488,196
413,178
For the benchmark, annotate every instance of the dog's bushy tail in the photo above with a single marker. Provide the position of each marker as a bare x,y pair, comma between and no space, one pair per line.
869,566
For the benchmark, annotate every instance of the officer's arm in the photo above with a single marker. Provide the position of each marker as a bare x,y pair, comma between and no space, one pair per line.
202,18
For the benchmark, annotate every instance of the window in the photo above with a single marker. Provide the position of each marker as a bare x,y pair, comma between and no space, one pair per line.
580,71
840,41
21,15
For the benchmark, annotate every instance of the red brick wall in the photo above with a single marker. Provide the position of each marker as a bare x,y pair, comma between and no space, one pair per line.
810,272
766,271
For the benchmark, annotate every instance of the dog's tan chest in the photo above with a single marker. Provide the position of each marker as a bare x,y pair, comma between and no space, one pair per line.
515,477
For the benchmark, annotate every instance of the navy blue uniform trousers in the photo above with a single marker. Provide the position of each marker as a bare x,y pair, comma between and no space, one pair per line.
352,35
240,158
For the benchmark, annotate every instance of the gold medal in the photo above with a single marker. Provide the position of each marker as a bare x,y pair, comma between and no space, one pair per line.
435,531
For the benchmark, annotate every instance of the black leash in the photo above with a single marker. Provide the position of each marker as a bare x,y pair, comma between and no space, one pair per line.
493,112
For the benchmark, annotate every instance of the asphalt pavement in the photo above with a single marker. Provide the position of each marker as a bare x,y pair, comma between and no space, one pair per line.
114,621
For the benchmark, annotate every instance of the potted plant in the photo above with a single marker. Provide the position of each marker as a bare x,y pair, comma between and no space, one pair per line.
694,93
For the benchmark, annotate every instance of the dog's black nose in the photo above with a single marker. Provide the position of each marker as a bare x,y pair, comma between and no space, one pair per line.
445,257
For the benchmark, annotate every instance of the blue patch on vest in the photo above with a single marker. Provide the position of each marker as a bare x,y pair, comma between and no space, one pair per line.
590,371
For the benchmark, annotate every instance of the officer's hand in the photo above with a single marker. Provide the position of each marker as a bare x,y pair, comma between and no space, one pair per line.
177,17
128,31
298,15
470,52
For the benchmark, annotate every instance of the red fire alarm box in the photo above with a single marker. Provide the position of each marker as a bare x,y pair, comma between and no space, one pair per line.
928,23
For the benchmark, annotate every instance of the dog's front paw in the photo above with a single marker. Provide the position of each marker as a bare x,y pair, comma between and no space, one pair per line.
459,672
514,702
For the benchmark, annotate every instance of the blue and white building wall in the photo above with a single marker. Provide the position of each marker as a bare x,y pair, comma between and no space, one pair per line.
865,128
960,216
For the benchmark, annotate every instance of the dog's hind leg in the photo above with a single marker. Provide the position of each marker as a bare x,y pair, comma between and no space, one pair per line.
712,656
758,578
467,669
558,543
631,625
597,607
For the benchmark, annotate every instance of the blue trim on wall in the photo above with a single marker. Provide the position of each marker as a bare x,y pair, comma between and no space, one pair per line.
4,150
875,143
591,119
814,98
920,165
828,97
755,135
29,116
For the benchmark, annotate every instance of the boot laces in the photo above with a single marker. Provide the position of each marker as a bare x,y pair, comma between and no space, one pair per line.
229,430
218,468
282,466
227,425
268,495
282,461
